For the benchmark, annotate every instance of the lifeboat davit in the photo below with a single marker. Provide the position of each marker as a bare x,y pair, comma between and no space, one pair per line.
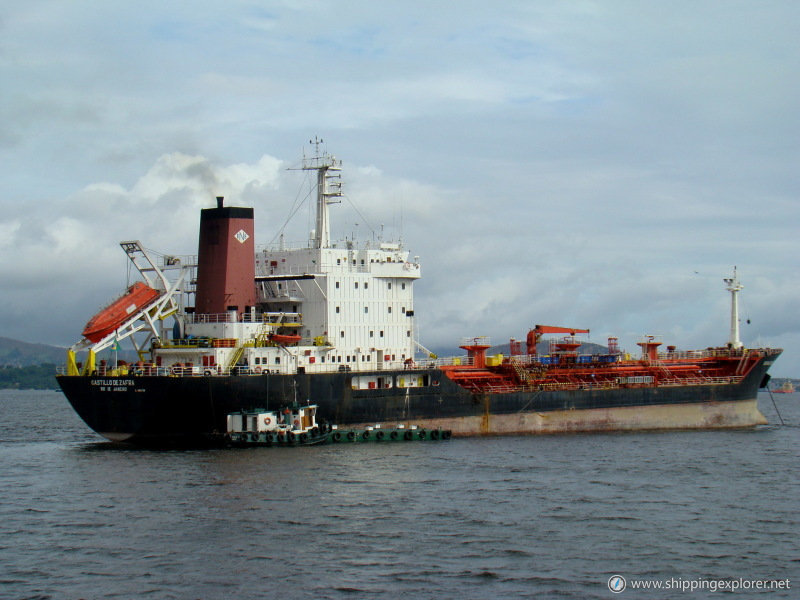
284,340
115,314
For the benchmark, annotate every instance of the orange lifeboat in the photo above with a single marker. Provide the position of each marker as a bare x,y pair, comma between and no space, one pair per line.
284,340
115,314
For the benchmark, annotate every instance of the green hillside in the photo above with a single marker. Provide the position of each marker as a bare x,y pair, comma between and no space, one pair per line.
14,353
37,377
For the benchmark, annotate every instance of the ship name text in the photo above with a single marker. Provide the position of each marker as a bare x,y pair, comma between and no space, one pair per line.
112,385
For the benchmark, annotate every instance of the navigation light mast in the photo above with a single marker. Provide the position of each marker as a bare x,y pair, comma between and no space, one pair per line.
329,187
734,287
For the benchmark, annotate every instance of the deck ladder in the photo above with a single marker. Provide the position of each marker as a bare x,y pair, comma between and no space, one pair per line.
236,356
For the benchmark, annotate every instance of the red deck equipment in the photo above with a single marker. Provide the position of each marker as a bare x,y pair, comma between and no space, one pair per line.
535,334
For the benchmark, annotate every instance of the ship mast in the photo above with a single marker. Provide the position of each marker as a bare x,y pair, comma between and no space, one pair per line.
329,187
734,287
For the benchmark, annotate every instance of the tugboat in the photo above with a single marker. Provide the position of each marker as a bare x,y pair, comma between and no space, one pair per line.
292,426
234,329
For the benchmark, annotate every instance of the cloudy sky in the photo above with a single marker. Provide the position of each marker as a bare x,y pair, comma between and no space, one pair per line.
589,164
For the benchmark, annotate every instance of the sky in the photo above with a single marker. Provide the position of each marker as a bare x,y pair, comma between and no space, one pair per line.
597,165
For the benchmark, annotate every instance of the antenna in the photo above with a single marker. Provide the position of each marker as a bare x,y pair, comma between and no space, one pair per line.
329,189
316,143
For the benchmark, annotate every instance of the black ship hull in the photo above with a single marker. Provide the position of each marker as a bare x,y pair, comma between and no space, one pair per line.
193,410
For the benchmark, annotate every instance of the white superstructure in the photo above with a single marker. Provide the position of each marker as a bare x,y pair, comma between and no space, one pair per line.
329,306
357,302
352,305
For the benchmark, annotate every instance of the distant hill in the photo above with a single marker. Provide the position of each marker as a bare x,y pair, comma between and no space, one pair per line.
543,348
14,353
38,377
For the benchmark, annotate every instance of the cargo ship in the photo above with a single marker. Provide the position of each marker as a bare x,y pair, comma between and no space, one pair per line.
332,323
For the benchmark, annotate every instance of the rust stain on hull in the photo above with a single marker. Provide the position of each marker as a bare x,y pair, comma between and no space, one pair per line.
485,423
706,415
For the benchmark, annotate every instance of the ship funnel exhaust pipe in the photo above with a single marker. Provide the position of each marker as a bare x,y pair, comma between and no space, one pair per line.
226,260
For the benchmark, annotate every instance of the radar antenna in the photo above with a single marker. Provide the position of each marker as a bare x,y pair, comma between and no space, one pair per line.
329,189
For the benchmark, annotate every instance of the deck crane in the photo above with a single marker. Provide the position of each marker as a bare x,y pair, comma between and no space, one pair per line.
535,334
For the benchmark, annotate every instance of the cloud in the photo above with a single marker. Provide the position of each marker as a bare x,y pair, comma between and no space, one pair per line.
572,163
68,253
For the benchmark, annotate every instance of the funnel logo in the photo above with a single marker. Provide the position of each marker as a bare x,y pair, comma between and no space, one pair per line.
617,584
242,236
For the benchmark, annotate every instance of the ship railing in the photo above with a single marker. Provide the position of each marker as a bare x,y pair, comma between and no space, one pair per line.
545,359
572,385
610,384
480,340
278,318
453,361
197,342
172,261
286,269
122,370
216,370
212,318
199,370
707,353
394,268
700,381
150,370
683,355
498,389
449,361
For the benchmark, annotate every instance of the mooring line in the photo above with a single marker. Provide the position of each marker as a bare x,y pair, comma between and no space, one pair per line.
776,406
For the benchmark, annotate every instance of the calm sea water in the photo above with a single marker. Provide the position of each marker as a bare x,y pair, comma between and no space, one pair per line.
519,517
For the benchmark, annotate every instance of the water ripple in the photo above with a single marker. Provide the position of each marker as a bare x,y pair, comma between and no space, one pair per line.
551,516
